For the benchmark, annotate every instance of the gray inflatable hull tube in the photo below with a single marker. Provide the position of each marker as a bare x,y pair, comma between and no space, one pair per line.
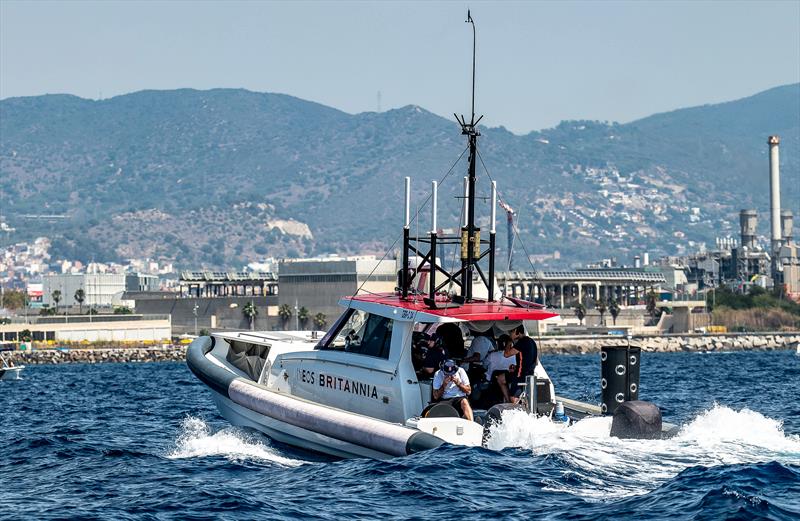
389,438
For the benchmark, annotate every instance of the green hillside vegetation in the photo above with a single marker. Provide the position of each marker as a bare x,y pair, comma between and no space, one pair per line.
757,310
222,177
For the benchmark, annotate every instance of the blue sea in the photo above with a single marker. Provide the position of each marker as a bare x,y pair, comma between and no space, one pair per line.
143,441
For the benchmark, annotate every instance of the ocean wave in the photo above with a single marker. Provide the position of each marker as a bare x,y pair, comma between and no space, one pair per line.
196,440
608,467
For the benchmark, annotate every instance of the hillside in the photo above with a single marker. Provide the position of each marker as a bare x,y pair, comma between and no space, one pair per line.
223,177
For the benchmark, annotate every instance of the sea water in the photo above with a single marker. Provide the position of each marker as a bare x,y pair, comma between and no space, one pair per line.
144,441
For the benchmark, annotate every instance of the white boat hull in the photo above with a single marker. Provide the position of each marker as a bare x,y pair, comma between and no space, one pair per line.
300,422
11,373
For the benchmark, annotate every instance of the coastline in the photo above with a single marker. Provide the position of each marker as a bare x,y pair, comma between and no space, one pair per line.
674,343
774,341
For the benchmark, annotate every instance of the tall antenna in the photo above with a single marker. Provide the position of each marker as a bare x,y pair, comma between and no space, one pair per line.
470,234
468,240
474,40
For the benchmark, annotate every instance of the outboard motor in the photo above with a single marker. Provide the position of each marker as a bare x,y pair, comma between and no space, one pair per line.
637,420
619,371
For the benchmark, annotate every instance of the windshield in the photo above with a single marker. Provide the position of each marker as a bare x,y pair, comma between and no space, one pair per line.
363,333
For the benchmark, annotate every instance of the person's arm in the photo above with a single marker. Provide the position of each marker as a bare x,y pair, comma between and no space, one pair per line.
438,390
464,385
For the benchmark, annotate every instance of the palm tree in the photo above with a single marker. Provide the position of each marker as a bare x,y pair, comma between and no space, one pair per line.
80,296
613,308
56,298
285,313
303,315
651,303
250,311
601,308
320,321
580,312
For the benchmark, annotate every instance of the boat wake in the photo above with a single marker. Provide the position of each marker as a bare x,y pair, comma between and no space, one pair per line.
598,466
197,440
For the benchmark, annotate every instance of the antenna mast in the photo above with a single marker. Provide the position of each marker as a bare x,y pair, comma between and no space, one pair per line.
469,240
470,234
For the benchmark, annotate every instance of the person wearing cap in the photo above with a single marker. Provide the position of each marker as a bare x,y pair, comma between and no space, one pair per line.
451,384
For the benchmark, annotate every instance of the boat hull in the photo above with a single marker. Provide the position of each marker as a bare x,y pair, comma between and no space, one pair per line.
299,422
11,373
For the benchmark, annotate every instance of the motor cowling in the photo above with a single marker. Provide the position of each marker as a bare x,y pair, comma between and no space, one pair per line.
636,420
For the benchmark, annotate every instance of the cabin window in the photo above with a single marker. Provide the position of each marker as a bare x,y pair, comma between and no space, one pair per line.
364,334
248,357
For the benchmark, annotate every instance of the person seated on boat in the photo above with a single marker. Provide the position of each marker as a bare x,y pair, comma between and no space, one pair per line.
527,356
350,339
436,355
451,385
421,343
499,365
482,344
453,340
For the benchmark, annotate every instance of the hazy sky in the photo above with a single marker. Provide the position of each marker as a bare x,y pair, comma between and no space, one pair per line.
538,62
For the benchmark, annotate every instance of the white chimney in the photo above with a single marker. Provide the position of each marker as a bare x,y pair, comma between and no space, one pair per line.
775,191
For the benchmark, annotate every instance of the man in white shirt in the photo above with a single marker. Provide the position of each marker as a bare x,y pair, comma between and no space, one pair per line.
479,347
499,364
451,384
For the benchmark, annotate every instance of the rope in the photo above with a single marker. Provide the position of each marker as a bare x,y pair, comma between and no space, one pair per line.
517,235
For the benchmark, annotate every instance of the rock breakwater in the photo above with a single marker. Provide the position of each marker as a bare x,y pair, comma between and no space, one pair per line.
673,343
550,345
99,355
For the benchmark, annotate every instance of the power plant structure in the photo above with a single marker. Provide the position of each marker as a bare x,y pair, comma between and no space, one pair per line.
778,264
773,265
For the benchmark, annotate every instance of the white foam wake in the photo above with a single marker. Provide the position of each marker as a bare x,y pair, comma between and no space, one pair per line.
609,466
197,440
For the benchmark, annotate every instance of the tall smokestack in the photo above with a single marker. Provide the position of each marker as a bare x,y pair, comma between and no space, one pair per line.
775,191
786,226
748,222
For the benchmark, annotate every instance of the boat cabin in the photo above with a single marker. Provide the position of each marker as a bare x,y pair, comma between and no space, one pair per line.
364,363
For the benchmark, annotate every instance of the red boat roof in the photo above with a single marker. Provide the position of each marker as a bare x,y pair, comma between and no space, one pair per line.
470,312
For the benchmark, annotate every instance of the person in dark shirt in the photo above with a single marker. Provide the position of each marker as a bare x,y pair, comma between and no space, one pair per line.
527,356
437,353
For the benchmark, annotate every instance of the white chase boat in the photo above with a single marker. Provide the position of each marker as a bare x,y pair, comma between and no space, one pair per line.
9,371
354,391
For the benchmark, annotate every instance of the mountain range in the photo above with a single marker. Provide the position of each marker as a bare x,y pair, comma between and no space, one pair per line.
224,177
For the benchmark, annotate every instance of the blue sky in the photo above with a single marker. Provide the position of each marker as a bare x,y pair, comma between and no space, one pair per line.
538,62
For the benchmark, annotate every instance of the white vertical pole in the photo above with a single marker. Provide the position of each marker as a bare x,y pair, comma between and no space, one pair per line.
494,205
408,202
466,197
434,198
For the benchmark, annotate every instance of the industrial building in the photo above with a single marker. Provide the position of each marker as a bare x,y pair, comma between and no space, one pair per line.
318,284
744,263
565,288
227,284
99,289
90,328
